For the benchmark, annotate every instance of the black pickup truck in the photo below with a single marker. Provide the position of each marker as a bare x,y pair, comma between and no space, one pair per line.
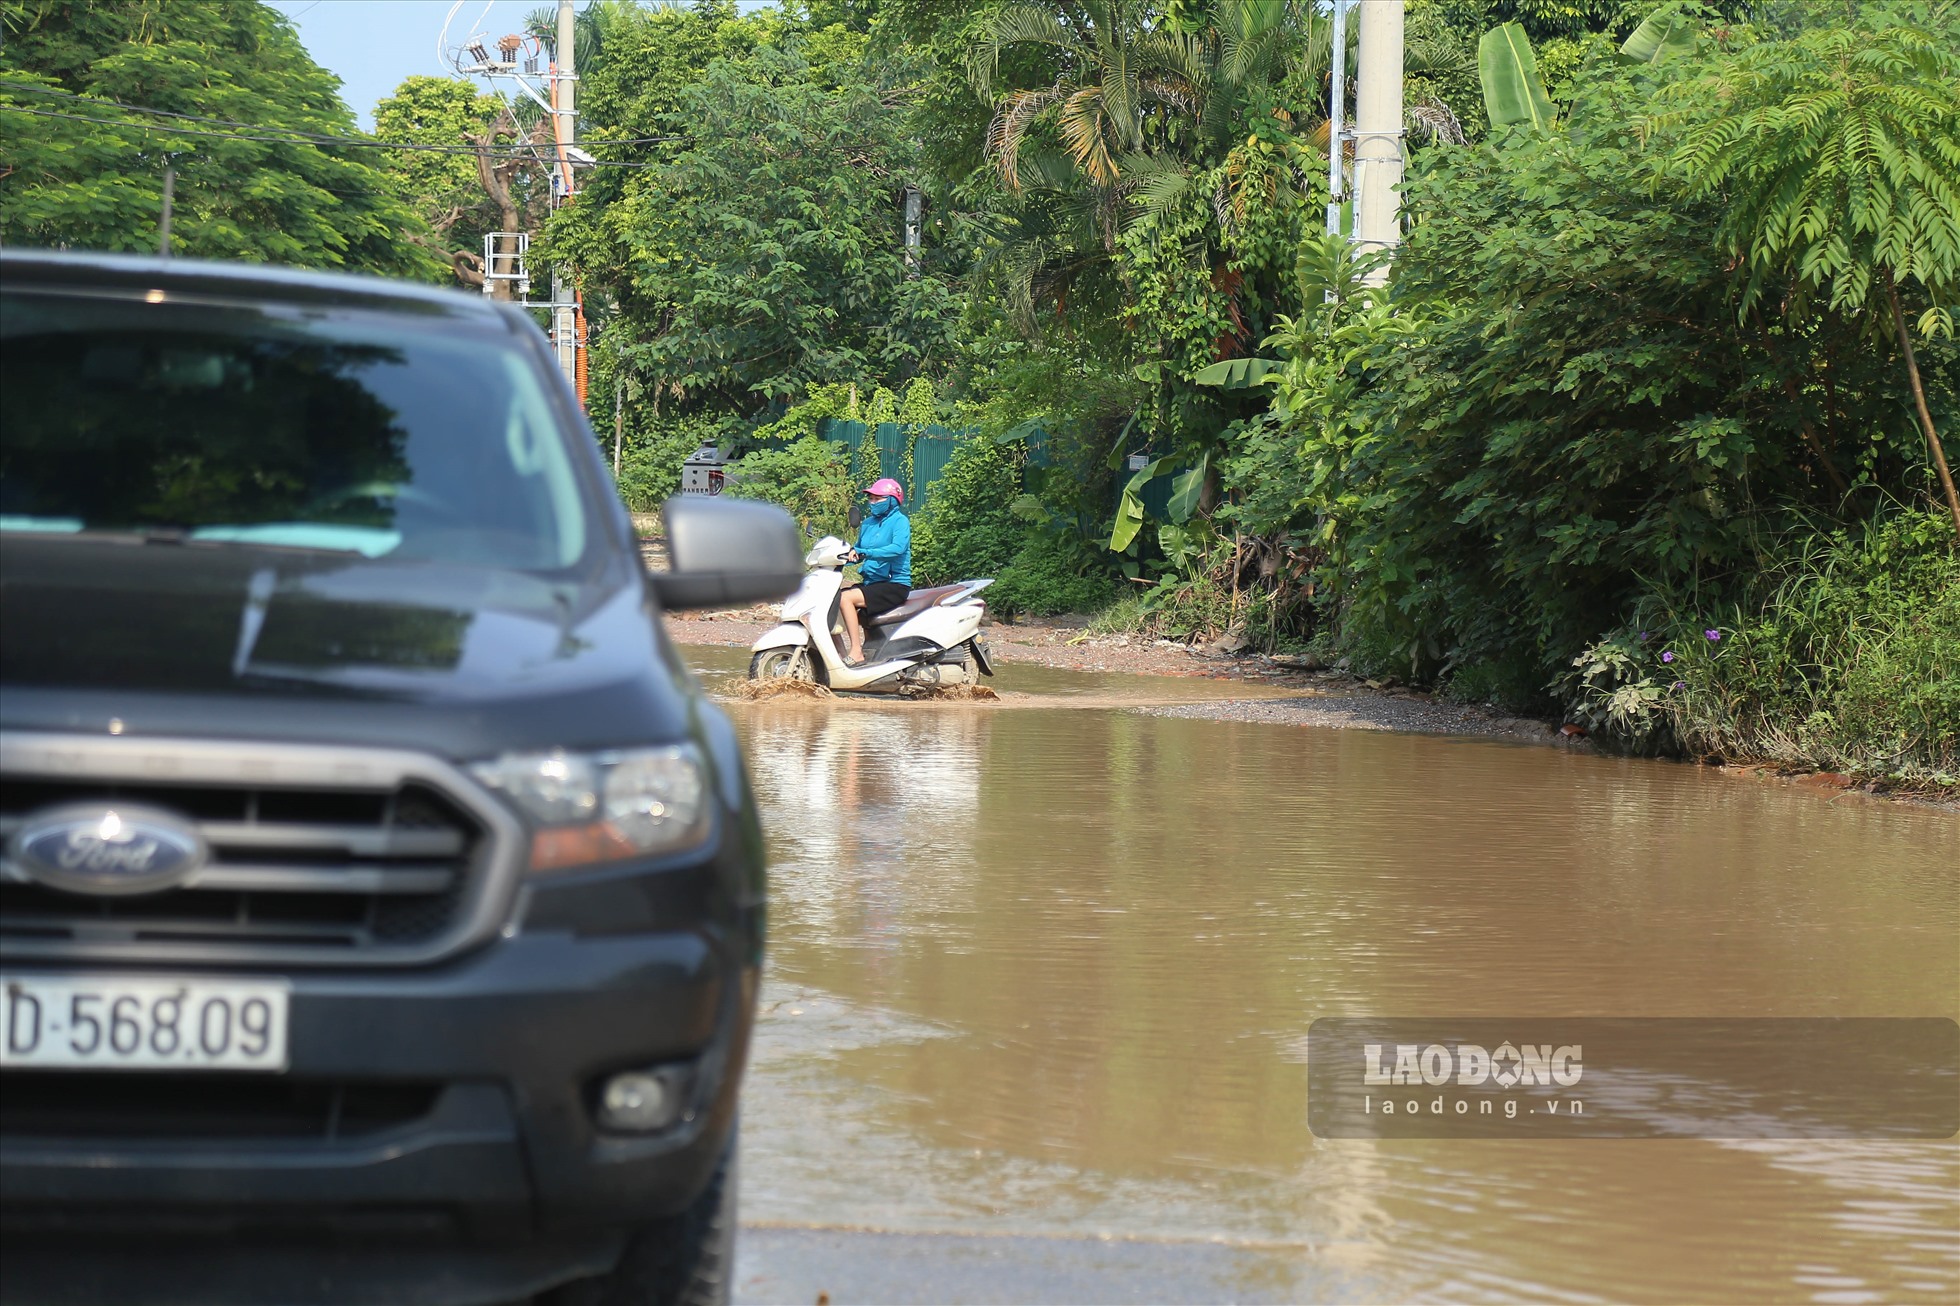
381,903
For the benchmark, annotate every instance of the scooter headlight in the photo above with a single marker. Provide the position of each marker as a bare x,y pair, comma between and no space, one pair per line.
592,808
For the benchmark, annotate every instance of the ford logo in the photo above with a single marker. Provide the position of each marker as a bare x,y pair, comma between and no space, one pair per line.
107,849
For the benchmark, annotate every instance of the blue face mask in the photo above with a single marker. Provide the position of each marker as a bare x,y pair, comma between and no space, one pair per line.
880,509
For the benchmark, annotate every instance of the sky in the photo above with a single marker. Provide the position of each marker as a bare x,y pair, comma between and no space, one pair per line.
371,45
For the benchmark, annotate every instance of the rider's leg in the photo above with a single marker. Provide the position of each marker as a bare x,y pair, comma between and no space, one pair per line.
852,601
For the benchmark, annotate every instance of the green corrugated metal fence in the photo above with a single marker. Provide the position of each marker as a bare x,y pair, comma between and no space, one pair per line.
930,453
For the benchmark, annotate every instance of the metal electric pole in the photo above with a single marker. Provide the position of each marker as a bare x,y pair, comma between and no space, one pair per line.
506,254
1378,130
564,98
1336,108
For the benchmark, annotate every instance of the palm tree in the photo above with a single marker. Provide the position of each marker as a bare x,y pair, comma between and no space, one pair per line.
1115,79
1137,109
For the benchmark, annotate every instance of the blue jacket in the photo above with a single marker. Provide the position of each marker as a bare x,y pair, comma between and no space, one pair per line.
886,544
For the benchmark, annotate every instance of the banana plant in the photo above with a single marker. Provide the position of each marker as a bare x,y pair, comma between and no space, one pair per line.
1514,94
1662,35
1186,488
1238,373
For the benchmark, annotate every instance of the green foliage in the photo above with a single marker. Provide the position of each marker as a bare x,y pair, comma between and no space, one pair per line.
99,185
1044,578
1514,95
866,464
809,477
1617,695
1836,158
443,188
968,528
1578,405
821,403
1843,654
1663,34
654,449
765,253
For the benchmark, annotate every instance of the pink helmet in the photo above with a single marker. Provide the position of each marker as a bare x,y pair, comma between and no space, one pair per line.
886,488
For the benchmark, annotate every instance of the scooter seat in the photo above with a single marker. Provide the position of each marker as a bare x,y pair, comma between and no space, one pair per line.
918,601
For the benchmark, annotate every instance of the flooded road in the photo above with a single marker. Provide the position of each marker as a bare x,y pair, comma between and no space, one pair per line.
1043,976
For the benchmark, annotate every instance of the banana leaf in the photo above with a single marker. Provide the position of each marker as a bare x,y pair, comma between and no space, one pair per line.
1129,509
1186,486
1513,92
1665,33
1238,373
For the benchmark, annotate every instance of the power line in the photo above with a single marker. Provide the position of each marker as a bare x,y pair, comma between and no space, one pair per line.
290,135
507,151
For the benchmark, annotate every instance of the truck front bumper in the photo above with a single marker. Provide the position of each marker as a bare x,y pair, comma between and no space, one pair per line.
491,1181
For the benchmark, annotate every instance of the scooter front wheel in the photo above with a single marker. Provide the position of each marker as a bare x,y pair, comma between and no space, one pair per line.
782,664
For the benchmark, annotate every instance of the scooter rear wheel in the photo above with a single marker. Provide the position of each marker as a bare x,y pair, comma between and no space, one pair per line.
782,664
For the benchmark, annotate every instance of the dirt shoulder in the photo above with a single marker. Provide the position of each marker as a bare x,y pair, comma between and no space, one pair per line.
1288,693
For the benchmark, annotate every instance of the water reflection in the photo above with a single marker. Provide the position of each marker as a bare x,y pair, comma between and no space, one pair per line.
1037,970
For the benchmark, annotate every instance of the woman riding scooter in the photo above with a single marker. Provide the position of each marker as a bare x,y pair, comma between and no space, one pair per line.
884,555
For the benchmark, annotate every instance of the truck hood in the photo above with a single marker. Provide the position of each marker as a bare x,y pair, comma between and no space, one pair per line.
248,642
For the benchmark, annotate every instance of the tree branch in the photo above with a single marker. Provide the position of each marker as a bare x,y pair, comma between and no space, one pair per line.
467,266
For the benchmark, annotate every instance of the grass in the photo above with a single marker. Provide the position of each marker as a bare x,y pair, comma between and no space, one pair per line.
1844,657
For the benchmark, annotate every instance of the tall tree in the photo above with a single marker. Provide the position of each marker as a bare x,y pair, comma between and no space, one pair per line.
237,110
1837,159
463,196
769,252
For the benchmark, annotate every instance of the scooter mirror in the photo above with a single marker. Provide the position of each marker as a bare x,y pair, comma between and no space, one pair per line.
857,514
809,532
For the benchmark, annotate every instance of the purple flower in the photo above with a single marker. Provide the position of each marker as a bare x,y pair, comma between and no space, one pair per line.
1713,636
1645,636
1668,656
1680,684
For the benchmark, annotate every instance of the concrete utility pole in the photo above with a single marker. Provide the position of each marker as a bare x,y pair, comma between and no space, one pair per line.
1378,130
564,102
914,213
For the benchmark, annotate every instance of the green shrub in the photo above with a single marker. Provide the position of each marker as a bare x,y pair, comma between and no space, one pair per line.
1510,683
1845,655
1128,614
809,477
1042,580
967,529
648,476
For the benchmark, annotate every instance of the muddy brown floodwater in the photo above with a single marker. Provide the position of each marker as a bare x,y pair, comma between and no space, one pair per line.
1050,972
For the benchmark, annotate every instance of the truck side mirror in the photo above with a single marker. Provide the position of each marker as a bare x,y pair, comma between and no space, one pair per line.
725,553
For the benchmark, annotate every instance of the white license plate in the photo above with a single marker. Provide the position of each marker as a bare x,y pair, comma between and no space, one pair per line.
105,1022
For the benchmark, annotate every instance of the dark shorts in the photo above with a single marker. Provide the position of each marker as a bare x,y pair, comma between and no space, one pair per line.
881,596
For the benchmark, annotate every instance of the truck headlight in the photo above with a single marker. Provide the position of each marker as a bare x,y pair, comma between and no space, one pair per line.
590,808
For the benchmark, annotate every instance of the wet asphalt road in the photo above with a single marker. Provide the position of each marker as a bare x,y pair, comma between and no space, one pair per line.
801,1266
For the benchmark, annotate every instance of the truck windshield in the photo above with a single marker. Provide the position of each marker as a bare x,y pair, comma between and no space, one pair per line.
281,427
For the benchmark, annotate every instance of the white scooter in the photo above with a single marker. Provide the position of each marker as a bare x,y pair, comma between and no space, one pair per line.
930,640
